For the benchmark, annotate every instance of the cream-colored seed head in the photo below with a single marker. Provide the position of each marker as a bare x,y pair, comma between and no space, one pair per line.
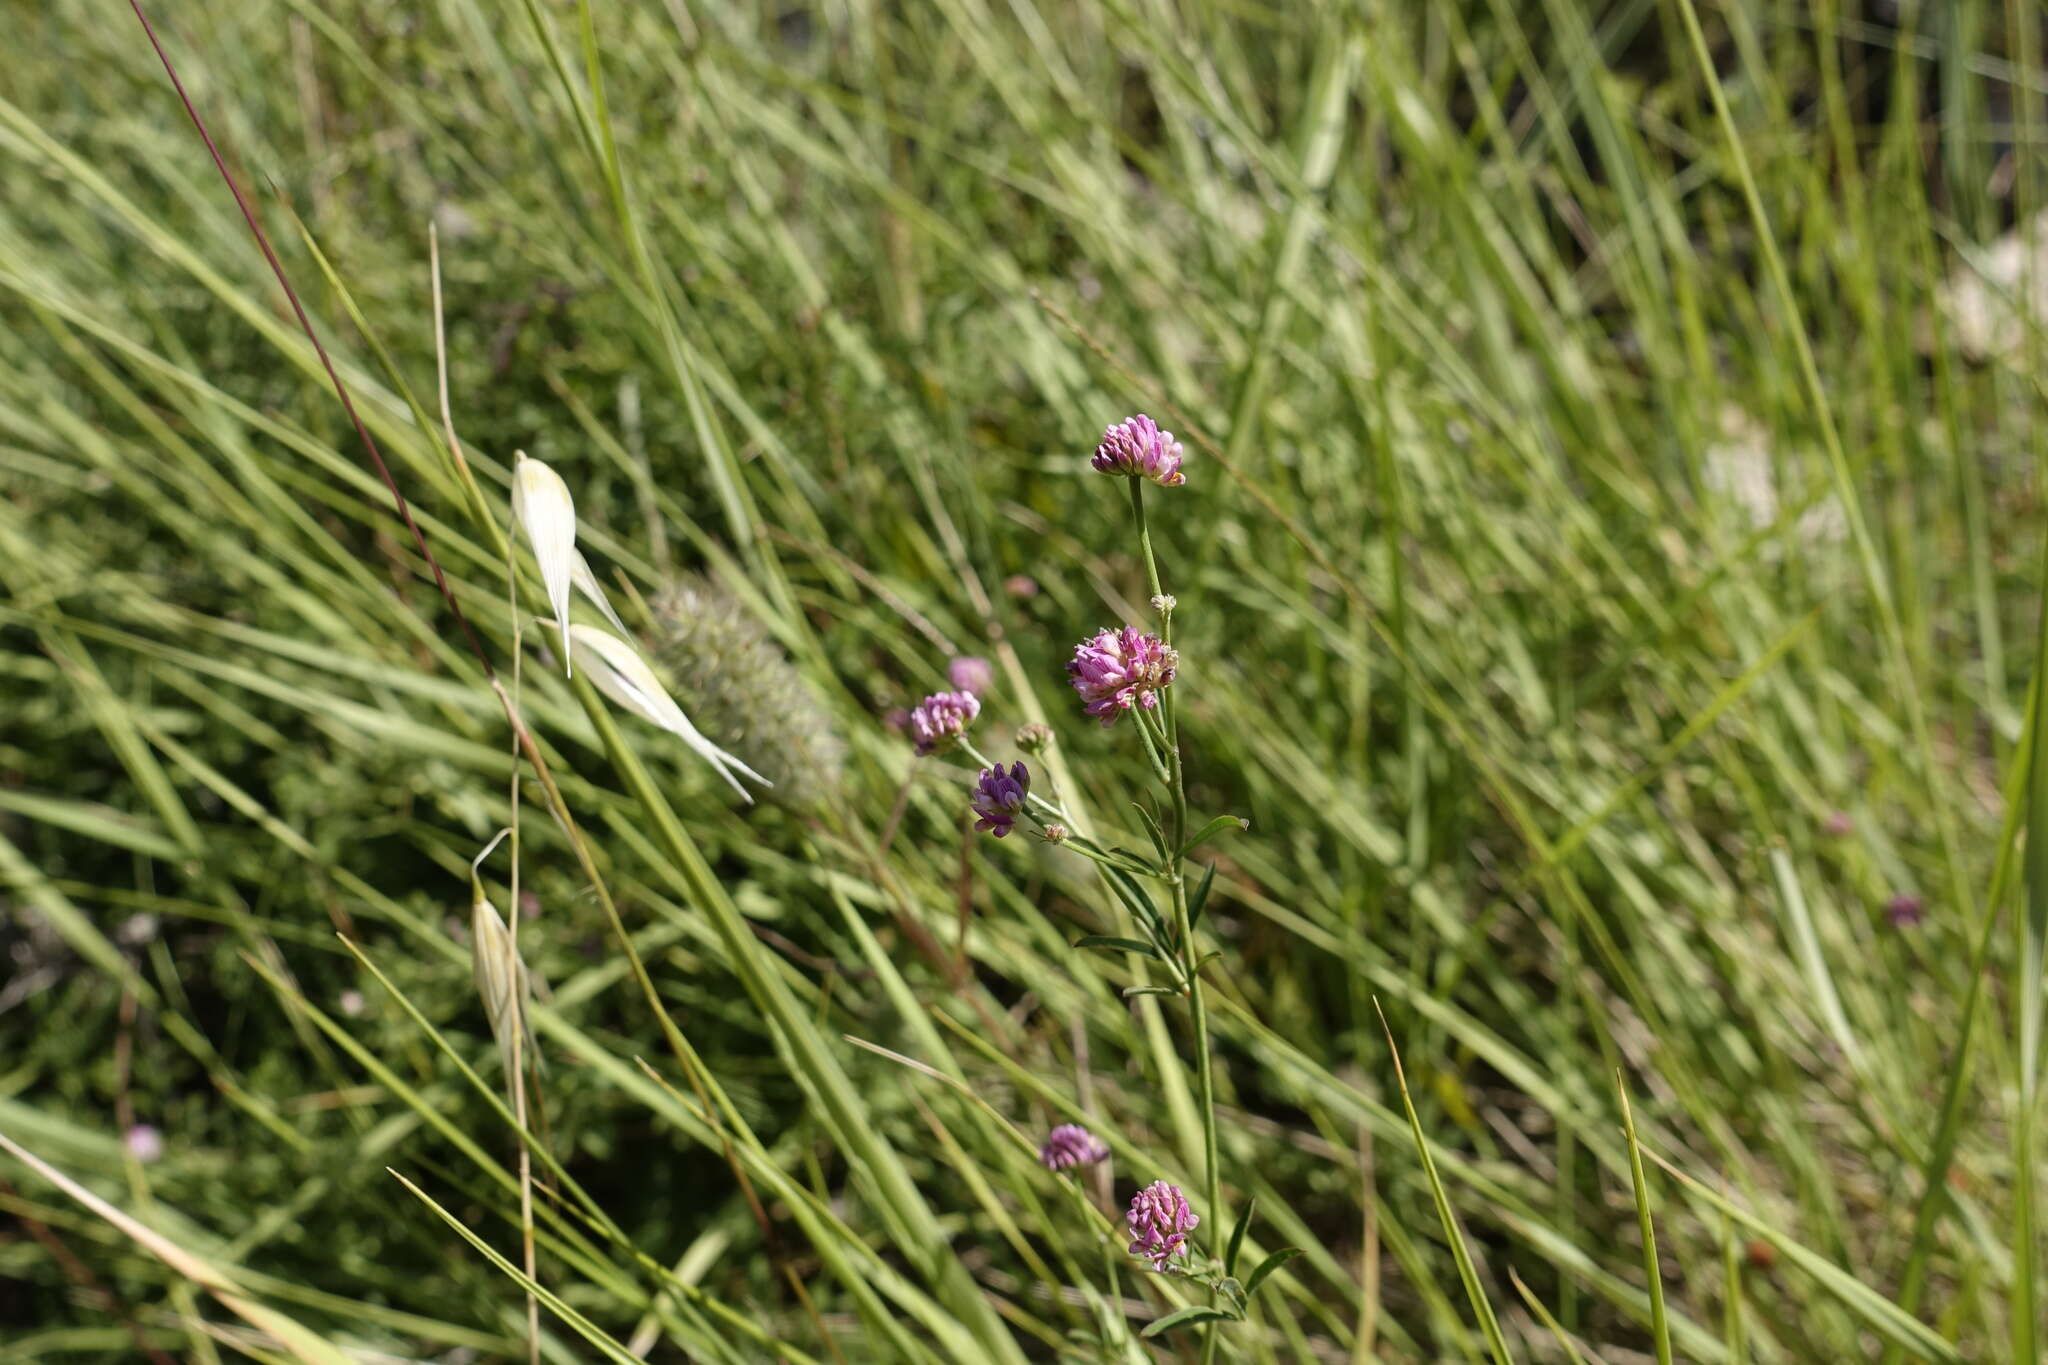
547,514
501,980
618,671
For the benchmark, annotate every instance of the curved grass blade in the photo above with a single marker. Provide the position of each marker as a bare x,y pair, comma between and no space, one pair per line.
1455,1235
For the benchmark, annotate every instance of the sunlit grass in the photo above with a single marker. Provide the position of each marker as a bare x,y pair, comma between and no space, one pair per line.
1607,576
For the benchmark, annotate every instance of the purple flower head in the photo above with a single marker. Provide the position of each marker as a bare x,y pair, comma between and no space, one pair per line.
1114,670
1071,1145
1160,1222
938,720
1138,448
1838,824
1905,910
971,674
999,797
144,1143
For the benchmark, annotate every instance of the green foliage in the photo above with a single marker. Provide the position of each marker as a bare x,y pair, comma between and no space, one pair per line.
1592,492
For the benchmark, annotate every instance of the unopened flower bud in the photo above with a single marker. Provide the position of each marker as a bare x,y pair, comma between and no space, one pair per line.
1164,603
1055,833
1035,738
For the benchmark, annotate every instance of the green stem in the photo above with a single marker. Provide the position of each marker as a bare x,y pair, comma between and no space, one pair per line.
1144,536
1177,833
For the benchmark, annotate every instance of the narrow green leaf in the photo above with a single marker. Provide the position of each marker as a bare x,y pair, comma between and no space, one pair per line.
1660,1325
1222,823
1236,1243
1267,1267
1152,829
1460,1252
1876,1311
1111,943
1199,901
1186,1317
1544,1316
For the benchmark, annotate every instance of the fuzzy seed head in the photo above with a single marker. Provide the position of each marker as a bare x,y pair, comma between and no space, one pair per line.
727,670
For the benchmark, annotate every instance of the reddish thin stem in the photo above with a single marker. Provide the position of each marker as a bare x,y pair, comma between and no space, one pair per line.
340,390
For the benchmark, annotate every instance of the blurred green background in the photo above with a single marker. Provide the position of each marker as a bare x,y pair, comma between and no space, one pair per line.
1608,580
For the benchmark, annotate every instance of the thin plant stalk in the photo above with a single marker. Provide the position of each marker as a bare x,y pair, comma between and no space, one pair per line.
1176,836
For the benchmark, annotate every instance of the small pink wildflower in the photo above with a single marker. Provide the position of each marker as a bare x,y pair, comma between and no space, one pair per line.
1160,1222
1137,448
971,674
144,1143
939,719
1071,1145
1114,670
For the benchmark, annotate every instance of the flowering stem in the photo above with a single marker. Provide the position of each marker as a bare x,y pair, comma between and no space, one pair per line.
1144,536
1176,836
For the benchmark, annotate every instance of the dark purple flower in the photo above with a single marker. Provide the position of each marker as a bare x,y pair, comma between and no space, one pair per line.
971,674
1160,1222
999,797
1905,910
938,720
1071,1145
1115,670
1138,448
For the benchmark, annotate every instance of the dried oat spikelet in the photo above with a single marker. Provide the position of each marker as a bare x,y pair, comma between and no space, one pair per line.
546,513
617,670
502,982
722,664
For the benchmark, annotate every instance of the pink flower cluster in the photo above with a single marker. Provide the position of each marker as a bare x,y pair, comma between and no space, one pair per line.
940,719
1114,670
1071,1145
971,674
1160,1221
1137,448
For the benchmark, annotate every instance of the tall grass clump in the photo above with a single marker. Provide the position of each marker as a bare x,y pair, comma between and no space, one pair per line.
551,807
